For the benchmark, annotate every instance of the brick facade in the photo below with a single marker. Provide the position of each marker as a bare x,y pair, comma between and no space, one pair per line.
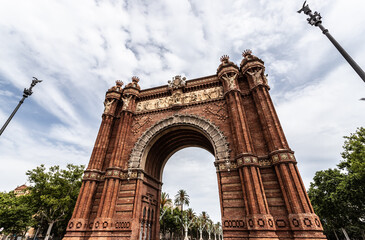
231,115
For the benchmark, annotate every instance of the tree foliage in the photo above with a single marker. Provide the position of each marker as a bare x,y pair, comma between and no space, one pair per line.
173,220
46,205
15,213
338,195
53,193
182,198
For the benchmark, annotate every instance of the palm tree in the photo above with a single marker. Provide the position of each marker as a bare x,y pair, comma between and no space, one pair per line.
210,228
190,213
186,222
181,199
165,199
202,222
217,230
205,216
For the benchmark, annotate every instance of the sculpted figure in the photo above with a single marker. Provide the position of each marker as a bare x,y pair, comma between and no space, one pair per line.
256,75
193,97
230,79
160,103
219,92
186,98
139,107
107,105
146,105
176,98
126,101
207,94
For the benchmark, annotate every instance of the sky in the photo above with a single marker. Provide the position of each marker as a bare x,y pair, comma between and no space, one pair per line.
79,48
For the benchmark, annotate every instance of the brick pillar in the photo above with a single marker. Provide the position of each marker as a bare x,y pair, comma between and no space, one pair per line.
258,218
92,175
112,183
303,221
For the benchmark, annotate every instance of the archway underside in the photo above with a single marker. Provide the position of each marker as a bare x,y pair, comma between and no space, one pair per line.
169,143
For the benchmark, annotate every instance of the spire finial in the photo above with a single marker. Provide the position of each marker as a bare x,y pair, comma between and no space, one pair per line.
246,53
119,83
224,58
135,79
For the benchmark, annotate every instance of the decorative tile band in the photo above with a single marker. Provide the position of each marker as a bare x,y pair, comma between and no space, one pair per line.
247,160
91,175
283,157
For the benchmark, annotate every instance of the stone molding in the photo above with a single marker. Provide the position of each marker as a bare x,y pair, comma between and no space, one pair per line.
216,137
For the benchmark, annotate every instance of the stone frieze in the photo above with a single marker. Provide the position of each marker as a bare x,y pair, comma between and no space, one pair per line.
180,98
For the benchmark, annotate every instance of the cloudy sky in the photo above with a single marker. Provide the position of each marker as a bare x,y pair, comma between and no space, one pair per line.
79,48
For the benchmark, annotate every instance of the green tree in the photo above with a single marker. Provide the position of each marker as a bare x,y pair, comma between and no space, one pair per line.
217,230
186,223
181,199
165,200
325,200
202,222
54,193
164,209
15,214
170,224
190,213
338,195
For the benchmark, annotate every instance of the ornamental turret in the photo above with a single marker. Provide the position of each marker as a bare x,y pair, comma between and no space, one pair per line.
253,67
228,73
130,93
112,96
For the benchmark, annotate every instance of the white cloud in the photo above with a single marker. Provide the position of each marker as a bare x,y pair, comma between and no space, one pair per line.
316,118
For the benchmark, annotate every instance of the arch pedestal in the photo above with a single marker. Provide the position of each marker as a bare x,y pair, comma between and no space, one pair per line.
231,115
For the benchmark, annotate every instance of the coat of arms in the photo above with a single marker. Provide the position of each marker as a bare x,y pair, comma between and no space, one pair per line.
177,82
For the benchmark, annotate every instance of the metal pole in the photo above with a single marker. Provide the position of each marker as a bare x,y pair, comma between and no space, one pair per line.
26,93
11,116
315,20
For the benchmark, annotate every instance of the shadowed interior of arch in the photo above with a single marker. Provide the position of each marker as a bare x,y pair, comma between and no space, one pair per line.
170,141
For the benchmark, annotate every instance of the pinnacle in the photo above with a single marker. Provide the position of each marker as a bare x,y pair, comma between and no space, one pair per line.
224,58
247,52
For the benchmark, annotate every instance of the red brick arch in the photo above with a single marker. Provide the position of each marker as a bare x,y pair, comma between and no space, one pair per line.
231,115
201,132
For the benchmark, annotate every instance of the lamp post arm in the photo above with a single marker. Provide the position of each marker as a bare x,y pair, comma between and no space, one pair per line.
26,93
315,19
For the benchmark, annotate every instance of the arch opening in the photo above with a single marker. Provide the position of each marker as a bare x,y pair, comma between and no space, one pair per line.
192,169
169,142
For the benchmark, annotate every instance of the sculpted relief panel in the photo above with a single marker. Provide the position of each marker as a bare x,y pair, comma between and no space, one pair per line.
179,97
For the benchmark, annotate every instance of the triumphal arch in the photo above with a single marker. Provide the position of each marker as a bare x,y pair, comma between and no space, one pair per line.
231,115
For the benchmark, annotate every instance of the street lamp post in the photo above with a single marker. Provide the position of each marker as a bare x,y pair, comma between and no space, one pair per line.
26,93
315,20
